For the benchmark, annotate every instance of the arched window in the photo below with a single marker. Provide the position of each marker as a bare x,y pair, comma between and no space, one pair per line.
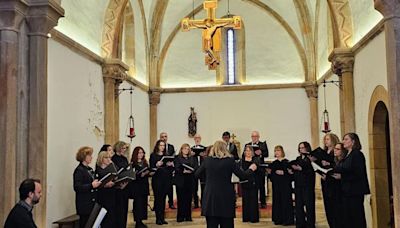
231,57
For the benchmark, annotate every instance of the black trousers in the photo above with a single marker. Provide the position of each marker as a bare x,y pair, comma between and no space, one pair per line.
184,195
195,189
170,192
260,180
159,199
140,207
83,220
305,197
353,212
329,204
219,222
121,208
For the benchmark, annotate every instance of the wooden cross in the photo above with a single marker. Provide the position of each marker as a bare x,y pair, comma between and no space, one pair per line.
211,35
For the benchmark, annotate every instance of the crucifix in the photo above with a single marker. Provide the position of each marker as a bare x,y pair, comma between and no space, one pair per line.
211,34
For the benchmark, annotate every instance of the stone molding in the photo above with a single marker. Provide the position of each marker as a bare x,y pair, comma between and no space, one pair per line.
115,69
342,60
154,96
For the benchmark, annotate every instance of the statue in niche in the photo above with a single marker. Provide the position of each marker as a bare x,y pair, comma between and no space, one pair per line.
192,123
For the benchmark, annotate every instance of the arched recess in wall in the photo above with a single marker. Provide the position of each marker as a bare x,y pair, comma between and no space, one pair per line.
342,23
379,150
240,56
126,47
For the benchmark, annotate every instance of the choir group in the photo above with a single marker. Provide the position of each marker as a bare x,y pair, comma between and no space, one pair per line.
341,165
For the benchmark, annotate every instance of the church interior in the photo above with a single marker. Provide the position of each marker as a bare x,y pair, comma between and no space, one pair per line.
79,73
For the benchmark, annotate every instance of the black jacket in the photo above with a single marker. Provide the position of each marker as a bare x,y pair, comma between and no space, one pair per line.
85,195
219,194
233,150
170,150
179,177
20,217
354,174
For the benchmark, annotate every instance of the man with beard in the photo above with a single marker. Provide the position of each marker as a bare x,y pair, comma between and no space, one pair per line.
20,216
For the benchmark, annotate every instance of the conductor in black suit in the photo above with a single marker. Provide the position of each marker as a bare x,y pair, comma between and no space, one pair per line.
226,136
218,203
354,180
260,151
169,151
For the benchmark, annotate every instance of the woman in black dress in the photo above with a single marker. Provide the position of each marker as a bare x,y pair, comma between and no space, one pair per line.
325,158
304,182
335,187
352,172
161,181
218,204
106,195
85,185
121,162
282,203
250,212
139,188
185,165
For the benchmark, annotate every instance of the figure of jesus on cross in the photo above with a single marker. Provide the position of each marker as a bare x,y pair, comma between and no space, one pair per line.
211,31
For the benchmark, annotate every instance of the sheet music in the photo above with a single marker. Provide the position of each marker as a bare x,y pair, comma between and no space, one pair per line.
100,218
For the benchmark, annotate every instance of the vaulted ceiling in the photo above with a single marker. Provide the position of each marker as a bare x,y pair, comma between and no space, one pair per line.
286,41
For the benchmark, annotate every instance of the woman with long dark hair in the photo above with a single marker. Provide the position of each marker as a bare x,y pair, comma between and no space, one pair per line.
161,181
353,175
139,188
304,182
185,165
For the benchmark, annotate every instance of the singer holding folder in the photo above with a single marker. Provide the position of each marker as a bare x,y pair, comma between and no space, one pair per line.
161,180
185,166
249,189
106,195
139,188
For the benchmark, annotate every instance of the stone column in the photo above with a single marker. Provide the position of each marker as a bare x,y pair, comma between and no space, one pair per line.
11,15
312,94
41,18
342,60
390,9
154,100
114,73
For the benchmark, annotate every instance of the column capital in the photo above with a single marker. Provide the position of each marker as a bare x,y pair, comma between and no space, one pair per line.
388,8
115,69
311,90
43,16
342,60
11,14
154,96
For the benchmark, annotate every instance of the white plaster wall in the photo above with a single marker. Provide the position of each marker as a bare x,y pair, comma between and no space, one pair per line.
332,106
369,72
281,116
140,107
75,116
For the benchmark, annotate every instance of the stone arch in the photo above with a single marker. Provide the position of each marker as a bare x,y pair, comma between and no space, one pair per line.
342,23
379,149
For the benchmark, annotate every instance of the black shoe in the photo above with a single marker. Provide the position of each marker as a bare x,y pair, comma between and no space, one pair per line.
172,207
159,222
164,222
189,219
196,206
263,206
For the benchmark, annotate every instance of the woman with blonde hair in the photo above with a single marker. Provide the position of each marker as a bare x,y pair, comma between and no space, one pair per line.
282,205
121,162
218,203
106,195
185,165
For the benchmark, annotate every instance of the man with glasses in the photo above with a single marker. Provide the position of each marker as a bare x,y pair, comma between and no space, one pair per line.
261,152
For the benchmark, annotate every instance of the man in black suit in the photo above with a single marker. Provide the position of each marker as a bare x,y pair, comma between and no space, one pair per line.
260,151
226,136
170,151
20,216
198,157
